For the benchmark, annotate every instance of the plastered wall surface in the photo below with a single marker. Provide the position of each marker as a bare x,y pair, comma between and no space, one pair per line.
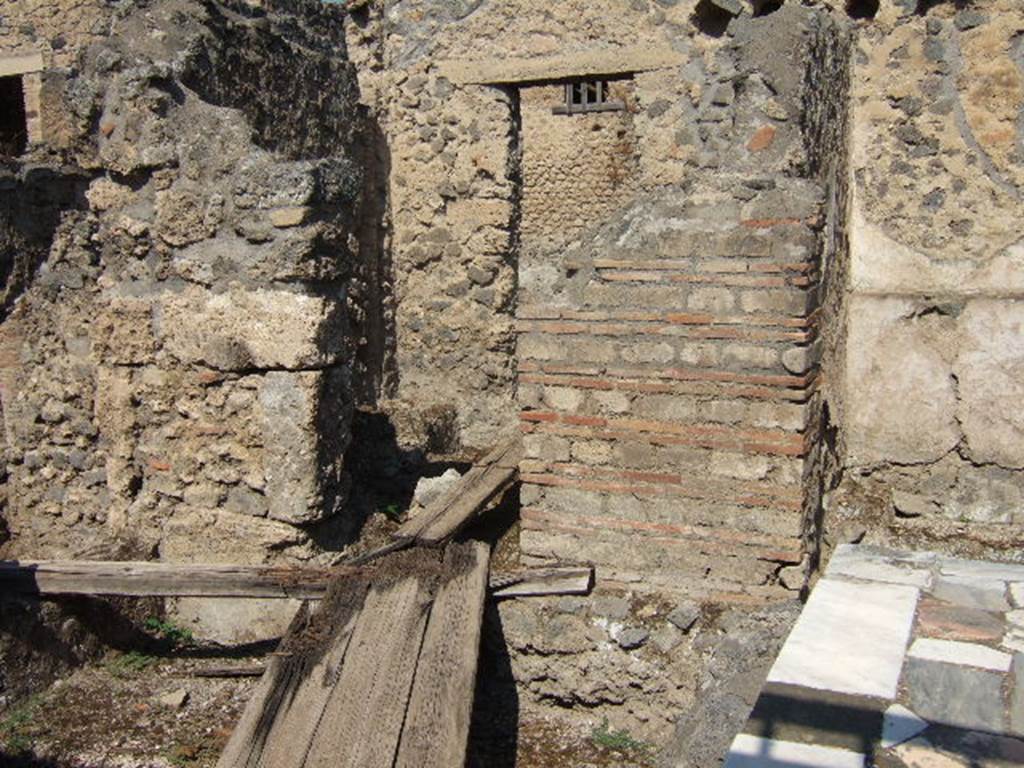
933,346
577,169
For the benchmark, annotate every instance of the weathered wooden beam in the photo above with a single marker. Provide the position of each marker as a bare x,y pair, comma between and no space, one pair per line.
247,670
142,579
542,581
441,701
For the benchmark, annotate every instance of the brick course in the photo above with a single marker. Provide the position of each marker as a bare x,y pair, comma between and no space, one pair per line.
664,434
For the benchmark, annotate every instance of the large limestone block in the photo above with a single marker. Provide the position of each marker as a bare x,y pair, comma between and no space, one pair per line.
252,329
303,417
195,535
901,399
990,374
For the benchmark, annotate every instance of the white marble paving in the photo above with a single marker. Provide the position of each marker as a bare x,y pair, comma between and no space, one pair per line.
1017,594
754,752
962,654
899,724
981,569
850,638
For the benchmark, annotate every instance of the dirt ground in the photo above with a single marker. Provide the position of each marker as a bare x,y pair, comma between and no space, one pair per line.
126,712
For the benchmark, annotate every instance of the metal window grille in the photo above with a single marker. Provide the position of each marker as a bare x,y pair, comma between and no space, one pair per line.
588,96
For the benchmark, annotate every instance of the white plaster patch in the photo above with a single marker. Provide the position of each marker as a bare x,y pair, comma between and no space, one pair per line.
963,654
754,752
850,638
899,724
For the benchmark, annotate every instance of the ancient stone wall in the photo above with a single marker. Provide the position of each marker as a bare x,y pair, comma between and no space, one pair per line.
932,348
455,171
667,362
577,170
702,296
177,354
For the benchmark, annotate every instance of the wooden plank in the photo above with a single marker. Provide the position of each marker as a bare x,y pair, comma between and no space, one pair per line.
295,726
247,739
278,723
543,581
57,577
480,485
245,670
362,721
437,721
142,579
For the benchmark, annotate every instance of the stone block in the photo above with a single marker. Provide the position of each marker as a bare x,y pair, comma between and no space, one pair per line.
613,402
684,615
648,352
750,357
798,360
592,452
283,218
242,330
899,724
980,593
850,639
741,466
632,638
749,751
1016,712
717,300
956,695
611,607
301,465
989,383
903,407
774,300
948,621
546,447
123,332
565,399
870,564
964,654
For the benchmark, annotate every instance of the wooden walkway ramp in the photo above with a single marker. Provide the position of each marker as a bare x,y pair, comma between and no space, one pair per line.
382,673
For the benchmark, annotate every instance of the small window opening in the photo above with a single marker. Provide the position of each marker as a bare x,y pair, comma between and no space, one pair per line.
711,19
862,9
765,7
588,96
13,122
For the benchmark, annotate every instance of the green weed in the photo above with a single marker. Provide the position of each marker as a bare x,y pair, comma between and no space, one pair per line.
130,664
619,741
15,726
392,512
169,631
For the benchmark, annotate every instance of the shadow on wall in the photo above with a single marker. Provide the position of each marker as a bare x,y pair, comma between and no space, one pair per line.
371,296
494,727
32,202
385,471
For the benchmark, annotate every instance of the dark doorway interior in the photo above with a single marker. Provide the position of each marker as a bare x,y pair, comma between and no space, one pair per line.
13,132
